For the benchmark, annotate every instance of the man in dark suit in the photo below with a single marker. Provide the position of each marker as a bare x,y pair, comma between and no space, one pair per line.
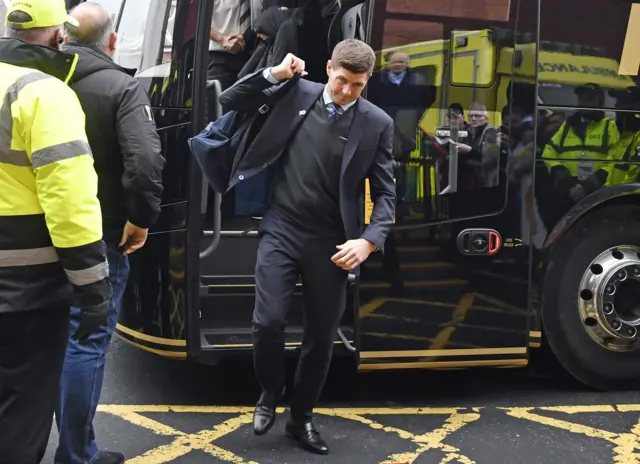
324,141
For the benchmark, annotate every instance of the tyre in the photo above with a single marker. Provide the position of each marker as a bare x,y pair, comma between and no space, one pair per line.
591,299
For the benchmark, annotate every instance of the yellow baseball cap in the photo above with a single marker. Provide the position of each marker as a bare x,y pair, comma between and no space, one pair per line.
44,13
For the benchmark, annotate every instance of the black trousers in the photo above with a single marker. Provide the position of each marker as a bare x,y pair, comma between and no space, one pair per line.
32,349
225,67
285,252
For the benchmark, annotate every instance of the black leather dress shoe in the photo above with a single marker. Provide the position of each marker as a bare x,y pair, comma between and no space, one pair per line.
109,457
264,415
308,436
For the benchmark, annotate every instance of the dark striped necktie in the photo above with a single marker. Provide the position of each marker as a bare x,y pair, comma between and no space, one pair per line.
333,111
245,15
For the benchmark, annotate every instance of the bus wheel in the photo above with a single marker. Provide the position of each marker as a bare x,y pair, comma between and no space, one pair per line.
591,310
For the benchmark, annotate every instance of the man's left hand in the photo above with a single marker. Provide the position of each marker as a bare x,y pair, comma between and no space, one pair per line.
353,253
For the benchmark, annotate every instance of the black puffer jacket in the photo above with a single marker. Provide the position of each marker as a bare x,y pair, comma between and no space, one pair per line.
123,137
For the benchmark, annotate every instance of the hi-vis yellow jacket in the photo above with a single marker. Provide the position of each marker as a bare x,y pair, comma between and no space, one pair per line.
50,218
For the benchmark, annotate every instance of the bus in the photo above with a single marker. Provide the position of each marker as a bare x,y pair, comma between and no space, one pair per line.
489,259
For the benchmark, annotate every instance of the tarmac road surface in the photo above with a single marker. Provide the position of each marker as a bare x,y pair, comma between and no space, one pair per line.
162,411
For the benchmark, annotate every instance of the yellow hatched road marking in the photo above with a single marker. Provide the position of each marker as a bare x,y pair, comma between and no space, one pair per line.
627,444
626,450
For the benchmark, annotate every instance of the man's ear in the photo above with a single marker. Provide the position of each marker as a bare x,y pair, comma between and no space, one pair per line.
113,39
66,39
59,39
329,67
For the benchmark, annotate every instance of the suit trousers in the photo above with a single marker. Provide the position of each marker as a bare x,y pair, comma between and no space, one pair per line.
32,347
285,252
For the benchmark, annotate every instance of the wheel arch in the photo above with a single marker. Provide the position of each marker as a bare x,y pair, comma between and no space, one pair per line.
623,194
614,195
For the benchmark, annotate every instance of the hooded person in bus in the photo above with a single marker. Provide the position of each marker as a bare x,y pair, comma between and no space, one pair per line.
324,141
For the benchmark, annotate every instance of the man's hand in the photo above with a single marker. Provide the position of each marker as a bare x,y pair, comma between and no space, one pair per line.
464,148
353,253
234,43
290,65
135,236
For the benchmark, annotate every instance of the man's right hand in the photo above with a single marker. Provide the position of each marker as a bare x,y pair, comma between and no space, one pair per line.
234,43
290,65
93,317
134,237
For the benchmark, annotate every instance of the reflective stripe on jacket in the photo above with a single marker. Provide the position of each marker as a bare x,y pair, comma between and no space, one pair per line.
50,219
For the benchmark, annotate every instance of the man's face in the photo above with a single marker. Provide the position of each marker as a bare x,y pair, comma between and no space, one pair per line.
345,86
398,63
589,100
477,118
455,119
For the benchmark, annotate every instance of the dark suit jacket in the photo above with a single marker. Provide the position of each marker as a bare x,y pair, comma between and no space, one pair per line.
367,151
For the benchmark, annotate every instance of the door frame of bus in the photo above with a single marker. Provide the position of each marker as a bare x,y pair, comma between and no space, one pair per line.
198,122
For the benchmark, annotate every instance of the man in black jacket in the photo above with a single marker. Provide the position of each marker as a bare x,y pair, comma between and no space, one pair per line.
128,160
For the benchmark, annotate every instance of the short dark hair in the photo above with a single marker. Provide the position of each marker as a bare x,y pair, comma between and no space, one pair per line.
353,55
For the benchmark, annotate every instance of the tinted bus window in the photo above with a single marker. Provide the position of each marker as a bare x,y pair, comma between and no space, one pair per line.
445,68
583,51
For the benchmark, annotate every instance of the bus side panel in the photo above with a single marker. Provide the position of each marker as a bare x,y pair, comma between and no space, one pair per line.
153,313
154,309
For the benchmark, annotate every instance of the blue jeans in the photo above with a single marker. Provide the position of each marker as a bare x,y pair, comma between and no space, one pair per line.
83,371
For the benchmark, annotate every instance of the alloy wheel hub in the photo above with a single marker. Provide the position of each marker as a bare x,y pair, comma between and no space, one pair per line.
609,298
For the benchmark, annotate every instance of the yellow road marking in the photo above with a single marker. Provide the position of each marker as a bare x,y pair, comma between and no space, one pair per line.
200,440
627,445
425,442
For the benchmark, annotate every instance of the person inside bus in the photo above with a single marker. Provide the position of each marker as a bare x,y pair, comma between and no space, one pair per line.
510,131
301,30
324,141
277,35
404,94
231,38
626,149
482,152
586,135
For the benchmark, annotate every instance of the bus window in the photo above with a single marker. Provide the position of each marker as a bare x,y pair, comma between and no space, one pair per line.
444,78
589,129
